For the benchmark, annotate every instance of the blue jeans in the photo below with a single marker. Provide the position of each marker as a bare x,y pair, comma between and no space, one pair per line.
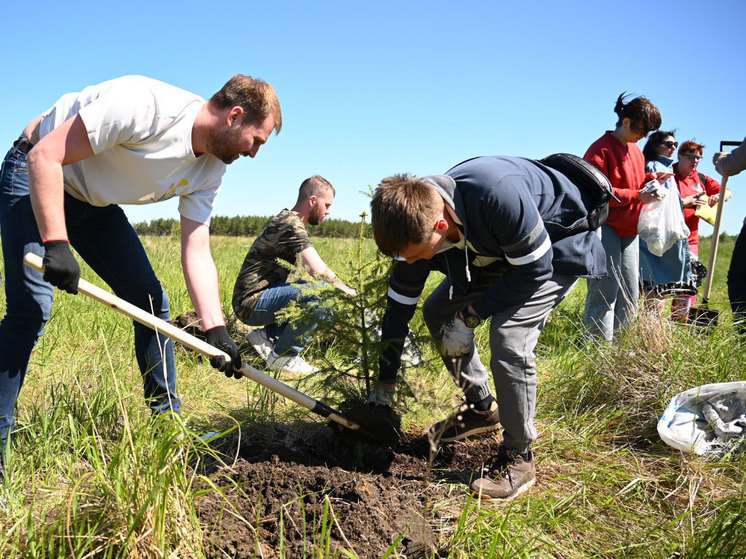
290,338
104,238
611,303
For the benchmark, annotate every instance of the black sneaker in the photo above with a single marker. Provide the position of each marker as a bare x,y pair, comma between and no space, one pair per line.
466,422
508,475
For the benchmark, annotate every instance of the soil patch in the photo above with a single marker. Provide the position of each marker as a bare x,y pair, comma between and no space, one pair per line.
295,488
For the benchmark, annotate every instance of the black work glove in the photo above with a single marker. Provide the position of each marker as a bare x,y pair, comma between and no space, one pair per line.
218,337
60,267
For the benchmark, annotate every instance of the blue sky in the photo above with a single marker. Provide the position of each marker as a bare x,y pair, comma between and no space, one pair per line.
374,88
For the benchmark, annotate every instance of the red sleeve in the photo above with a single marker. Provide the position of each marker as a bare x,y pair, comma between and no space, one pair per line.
626,197
624,177
596,155
629,196
711,186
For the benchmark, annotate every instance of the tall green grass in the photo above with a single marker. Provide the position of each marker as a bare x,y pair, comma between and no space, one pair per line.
92,476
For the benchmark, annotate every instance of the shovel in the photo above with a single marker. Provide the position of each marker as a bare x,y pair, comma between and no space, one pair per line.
192,342
703,315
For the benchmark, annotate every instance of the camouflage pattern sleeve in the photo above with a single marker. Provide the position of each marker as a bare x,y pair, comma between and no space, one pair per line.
269,261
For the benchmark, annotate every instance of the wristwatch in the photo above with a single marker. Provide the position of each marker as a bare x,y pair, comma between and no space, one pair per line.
471,319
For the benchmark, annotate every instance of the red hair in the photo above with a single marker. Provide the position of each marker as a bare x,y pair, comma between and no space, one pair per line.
690,146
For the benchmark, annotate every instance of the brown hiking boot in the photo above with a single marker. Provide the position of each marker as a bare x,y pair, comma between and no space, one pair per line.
508,475
466,422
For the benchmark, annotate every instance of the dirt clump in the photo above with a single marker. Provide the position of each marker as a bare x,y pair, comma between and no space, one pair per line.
190,323
296,488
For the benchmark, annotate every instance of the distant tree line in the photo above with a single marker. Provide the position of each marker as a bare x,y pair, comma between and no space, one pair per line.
724,237
250,226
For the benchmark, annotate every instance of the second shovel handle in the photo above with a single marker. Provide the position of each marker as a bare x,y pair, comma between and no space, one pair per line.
724,143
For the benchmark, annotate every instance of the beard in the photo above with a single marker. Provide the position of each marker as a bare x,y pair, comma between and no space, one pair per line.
317,216
223,146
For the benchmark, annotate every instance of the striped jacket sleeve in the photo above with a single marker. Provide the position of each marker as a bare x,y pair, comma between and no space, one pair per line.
405,290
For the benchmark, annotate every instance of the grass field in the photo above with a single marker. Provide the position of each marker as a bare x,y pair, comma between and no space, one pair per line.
89,479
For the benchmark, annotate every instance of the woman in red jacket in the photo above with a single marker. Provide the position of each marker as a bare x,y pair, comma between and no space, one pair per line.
695,188
612,302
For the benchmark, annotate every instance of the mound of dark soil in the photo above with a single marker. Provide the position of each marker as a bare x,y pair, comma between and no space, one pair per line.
302,486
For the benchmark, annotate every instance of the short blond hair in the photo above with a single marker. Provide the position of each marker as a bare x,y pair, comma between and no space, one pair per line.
404,210
256,97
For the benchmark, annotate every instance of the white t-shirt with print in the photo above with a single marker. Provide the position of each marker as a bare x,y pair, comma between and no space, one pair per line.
140,130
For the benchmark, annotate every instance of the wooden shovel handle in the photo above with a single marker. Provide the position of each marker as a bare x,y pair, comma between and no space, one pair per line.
177,334
716,230
715,242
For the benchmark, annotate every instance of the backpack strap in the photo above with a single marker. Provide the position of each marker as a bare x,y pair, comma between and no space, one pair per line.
592,184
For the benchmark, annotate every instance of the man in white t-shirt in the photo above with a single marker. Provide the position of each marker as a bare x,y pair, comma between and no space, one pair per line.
130,140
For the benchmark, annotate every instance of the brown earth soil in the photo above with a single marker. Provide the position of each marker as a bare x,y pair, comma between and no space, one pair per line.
292,490
295,489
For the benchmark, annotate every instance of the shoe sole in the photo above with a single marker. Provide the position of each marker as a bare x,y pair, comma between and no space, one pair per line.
522,489
288,373
470,434
260,347
263,354
296,374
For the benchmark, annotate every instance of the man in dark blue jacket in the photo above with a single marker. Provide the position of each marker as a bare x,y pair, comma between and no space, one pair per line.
504,232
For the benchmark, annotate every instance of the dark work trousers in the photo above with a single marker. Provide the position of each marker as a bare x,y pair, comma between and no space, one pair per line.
737,281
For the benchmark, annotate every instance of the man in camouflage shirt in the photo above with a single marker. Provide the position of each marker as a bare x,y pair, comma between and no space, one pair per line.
263,287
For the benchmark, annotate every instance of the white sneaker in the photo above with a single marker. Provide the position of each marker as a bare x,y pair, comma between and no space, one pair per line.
260,342
289,364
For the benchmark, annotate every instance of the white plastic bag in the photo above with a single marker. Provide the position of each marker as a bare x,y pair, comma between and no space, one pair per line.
683,425
661,224
654,187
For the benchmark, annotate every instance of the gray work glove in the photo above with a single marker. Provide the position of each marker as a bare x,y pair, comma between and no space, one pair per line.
382,395
457,339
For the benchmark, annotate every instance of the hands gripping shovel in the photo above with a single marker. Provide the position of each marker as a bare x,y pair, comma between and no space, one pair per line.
379,432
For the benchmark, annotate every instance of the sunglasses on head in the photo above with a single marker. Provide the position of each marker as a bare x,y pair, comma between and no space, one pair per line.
670,144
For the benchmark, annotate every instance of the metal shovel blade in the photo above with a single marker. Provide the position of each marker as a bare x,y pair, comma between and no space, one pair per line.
703,317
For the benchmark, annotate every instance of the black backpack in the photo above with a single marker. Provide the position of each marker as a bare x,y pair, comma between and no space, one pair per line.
590,181
594,186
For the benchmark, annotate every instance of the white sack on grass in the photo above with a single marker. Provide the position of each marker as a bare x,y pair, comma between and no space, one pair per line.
683,424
